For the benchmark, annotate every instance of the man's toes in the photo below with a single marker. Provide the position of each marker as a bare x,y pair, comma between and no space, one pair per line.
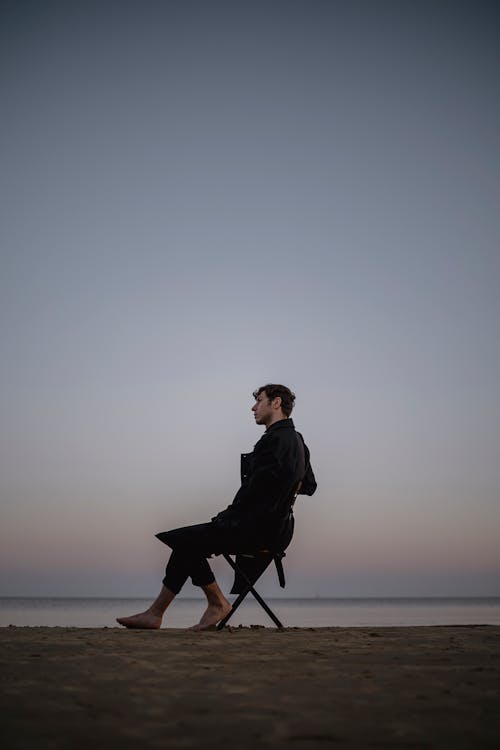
200,626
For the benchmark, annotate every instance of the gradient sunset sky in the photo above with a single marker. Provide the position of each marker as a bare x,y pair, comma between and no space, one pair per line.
202,197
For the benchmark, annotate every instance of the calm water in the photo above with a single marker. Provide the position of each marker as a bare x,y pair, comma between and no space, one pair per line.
95,613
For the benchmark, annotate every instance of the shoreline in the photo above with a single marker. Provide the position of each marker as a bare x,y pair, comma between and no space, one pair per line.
359,612
406,686
232,628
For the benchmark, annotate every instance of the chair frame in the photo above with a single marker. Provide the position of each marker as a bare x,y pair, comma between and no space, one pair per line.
250,589
275,556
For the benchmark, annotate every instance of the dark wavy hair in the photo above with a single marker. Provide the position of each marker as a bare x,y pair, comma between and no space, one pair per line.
273,390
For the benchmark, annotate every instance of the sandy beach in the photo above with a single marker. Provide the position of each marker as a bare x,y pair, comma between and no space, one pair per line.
405,687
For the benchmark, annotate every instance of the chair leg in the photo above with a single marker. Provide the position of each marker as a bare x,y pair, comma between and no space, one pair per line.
240,598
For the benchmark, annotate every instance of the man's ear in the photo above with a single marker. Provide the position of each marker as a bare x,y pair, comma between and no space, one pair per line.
277,402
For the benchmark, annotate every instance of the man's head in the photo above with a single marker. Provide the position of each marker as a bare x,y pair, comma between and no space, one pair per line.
272,403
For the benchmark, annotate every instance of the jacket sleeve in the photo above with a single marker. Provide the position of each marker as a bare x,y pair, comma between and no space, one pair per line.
309,482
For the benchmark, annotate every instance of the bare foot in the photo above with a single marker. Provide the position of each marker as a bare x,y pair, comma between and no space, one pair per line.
213,614
145,620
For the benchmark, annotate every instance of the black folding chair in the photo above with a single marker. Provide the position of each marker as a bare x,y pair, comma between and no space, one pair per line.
250,566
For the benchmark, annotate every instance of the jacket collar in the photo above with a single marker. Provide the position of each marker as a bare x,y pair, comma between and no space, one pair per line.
279,424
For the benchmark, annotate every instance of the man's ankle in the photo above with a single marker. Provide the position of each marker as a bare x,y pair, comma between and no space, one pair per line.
216,601
156,611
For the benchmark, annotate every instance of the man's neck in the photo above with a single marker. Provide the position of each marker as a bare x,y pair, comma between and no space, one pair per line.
279,418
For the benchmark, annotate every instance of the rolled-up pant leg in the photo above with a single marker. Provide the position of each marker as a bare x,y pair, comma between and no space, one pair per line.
191,545
181,566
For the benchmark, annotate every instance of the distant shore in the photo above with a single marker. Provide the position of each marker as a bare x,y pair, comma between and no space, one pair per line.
391,687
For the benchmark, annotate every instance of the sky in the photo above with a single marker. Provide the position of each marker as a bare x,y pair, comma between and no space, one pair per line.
198,198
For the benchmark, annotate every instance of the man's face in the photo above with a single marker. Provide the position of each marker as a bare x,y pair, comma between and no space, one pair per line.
262,409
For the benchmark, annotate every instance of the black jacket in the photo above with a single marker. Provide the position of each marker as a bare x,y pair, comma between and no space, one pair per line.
269,476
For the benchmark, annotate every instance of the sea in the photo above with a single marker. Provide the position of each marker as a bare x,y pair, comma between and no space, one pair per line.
89,612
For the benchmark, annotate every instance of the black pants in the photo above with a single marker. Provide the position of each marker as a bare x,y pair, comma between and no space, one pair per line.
191,545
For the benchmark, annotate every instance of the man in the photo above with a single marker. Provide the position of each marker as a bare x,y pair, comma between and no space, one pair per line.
258,518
